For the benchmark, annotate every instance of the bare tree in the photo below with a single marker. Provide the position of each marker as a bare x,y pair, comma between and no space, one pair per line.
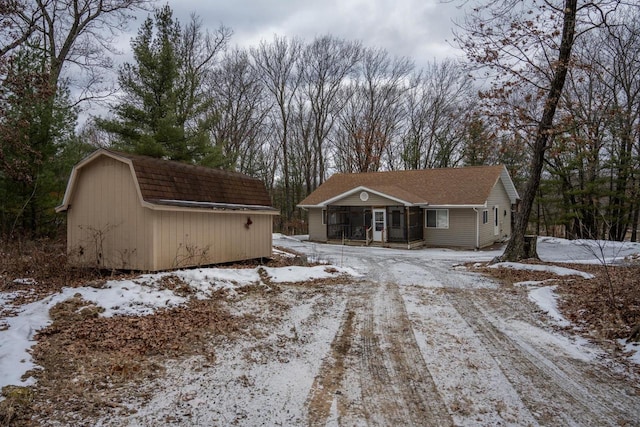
241,106
530,44
74,35
437,106
370,119
276,63
326,63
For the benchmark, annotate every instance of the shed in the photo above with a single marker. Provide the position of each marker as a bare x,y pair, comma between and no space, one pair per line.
127,211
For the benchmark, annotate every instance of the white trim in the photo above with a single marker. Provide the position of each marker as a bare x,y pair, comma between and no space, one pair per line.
353,191
436,227
428,206
88,159
512,192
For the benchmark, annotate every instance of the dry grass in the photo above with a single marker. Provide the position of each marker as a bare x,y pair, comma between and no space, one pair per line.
91,365
586,302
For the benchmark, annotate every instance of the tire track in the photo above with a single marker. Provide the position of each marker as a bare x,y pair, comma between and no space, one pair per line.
396,387
376,348
550,393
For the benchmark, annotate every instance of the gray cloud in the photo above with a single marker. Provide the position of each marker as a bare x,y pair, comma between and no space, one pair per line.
418,29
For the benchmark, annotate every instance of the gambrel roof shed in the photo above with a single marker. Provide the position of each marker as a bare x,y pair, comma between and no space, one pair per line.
136,212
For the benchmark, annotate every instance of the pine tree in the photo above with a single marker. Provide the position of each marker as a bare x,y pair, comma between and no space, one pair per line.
163,112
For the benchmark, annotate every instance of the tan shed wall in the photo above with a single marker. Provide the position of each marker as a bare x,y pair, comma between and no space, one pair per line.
106,225
317,230
461,231
374,200
184,238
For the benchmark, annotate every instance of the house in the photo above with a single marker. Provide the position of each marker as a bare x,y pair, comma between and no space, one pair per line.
468,207
126,211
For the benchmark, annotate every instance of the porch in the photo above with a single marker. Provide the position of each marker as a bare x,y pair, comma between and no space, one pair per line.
375,225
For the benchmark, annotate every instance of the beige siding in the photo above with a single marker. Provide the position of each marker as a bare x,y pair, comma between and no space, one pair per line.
106,225
374,200
461,231
500,198
317,230
186,238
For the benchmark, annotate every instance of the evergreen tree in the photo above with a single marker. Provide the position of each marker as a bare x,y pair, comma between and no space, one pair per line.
163,112
36,121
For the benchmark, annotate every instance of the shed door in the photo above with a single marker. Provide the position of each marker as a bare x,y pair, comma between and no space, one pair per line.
379,224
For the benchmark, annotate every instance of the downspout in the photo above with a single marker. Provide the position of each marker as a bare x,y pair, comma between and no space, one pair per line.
477,230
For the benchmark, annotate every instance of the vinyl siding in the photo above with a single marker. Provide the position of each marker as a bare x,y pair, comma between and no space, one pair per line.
185,239
106,225
317,230
461,231
499,197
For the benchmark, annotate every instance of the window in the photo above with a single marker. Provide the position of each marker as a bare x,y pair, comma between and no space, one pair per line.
437,218
324,217
485,216
395,218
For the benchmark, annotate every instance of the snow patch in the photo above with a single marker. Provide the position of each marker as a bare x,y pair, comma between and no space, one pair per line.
560,271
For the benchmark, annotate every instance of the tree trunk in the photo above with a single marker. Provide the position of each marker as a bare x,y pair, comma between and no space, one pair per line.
515,249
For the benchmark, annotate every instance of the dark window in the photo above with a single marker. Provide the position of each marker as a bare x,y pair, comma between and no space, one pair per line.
395,219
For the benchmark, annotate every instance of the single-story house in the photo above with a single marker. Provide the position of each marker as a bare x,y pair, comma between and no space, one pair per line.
126,211
469,207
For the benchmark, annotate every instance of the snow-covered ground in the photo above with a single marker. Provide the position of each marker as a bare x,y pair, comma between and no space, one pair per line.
484,355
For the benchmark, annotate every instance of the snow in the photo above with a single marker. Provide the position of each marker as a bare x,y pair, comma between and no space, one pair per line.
256,384
138,297
547,301
560,271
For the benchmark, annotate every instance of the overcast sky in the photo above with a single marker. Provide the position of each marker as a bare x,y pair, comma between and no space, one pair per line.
418,29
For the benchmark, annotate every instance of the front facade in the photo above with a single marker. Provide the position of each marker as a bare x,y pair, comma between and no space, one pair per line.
134,212
456,207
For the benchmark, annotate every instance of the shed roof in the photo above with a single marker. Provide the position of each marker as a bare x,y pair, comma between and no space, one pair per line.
166,182
467,186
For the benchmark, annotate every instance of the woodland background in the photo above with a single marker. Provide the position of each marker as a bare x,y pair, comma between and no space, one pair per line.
292,112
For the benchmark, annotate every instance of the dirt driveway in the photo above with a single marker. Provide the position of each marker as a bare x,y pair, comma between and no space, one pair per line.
416,341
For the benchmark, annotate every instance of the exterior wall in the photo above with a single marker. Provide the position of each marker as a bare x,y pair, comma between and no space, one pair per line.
317,230
373,200
461,231
500,198
184,238
106,225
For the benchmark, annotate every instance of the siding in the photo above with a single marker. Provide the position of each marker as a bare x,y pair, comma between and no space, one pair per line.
374,200
461,231
184,238
317,231
498,196
106,225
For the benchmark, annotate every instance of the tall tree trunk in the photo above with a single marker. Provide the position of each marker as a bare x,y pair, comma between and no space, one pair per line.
515,249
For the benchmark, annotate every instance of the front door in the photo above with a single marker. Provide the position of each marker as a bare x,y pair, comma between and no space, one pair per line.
379,224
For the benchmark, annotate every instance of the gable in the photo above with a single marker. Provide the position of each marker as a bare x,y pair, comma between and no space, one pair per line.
173,183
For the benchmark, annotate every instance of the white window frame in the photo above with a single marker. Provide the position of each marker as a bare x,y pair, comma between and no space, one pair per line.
441,222
485,216
324,217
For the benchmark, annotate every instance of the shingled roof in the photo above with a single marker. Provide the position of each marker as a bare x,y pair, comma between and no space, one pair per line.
467,186
174,183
